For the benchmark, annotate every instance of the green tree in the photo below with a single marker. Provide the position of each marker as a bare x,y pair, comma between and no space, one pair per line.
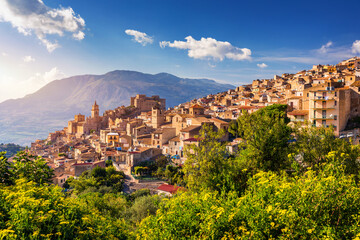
143,206
6,174
317,145
33,168
265,135
103,180
31,211
207,165
274,206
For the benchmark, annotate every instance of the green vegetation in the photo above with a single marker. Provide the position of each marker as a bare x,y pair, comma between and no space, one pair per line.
97,180
11,149
284,183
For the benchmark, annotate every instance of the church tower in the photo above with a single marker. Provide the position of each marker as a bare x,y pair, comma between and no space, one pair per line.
157,116
95,111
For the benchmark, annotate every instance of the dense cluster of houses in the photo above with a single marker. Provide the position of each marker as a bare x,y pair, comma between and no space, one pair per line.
325,95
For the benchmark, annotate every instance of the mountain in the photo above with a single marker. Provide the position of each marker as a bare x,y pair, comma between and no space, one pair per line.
32,117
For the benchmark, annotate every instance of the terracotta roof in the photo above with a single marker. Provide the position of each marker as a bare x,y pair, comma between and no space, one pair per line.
299,113
168,188
355,84
175,139
196,106
191,128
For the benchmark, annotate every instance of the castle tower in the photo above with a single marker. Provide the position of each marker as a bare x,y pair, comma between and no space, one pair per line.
157,116
95,111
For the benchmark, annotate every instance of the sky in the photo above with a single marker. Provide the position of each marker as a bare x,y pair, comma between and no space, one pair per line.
229,41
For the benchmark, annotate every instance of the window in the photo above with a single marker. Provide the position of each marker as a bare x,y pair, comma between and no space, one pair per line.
335,94
335,117
335,103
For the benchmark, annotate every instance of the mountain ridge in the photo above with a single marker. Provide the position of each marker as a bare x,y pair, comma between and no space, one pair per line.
48,109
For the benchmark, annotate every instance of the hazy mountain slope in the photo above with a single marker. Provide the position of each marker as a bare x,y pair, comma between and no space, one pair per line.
35,115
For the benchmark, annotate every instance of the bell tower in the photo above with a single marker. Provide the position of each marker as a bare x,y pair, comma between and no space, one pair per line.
95,111
157,116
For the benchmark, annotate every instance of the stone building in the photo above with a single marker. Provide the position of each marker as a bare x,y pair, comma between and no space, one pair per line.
145,104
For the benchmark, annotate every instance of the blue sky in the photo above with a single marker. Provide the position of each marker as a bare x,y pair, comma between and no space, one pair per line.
229,41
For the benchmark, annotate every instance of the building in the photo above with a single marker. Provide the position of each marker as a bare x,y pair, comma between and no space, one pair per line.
329,105
145,104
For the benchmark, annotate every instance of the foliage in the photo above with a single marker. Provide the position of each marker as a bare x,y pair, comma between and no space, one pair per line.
317,145
207,166
10,148
139,170
139,193
162,161
108,163
61,154
266,135
33,168
98,180
313,206
30,211
6,174
143,207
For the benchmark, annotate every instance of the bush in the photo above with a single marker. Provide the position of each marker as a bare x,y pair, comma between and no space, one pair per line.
313,206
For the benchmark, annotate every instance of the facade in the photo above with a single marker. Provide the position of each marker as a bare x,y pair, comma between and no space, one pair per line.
330,106
145,104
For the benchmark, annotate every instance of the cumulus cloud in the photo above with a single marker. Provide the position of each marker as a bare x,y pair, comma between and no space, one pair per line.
140,37
262,65
209,48
356,46
28,59
34,17
325,48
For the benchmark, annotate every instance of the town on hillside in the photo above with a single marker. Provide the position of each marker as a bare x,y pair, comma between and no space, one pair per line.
326,95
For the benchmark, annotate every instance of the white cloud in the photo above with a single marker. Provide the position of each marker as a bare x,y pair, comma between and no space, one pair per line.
4,54
41,79
140,37
356,46
34,17
28,59
209,48
262,65
325,48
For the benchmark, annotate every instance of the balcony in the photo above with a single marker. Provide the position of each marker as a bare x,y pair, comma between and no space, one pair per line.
324,107
324,118
297,120
322,98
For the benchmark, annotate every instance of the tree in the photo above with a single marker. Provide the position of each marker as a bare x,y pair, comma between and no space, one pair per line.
266,136
207,165
143,207
6,174
274,206
317,145
32,211
104,180
33,168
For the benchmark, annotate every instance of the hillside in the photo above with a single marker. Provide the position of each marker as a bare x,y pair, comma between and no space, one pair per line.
35,115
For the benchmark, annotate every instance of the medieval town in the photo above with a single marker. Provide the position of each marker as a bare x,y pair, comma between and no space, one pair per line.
326,95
